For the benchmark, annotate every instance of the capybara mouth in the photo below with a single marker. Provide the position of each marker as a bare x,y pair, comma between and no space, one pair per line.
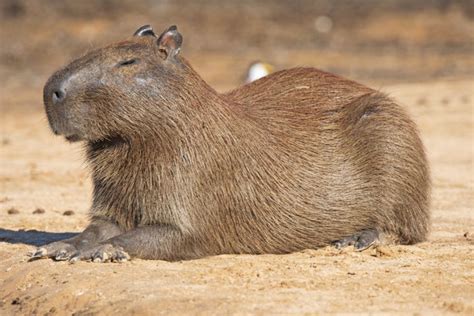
108,142
73,138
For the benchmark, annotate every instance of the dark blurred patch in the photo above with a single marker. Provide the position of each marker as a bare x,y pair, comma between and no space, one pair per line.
13,211
39,211
32,237
68,213
12,9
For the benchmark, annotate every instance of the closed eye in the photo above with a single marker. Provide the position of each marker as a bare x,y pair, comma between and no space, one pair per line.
127,62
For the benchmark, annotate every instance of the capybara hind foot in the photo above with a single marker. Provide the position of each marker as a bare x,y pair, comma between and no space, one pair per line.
101,253
361,240
58,251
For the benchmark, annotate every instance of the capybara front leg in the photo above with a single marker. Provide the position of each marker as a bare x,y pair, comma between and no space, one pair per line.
361,240
147,242
99,230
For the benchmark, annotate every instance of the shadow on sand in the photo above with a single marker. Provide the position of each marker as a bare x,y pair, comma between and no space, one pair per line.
31,237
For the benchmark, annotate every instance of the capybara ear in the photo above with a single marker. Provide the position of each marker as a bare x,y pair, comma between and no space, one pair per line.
170,42
145,30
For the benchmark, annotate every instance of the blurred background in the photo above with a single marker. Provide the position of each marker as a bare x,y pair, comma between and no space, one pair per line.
376,42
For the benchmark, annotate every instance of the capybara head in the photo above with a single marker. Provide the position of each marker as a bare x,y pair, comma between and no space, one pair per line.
110,91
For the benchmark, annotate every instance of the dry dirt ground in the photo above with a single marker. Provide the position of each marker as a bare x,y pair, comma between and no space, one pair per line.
420,52
39,171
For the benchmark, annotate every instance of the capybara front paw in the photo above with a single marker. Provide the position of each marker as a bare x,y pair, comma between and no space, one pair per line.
59,251
360,241
101,253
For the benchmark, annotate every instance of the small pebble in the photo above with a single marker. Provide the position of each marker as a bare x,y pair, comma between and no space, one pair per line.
39,211
422,101
68,213
13,211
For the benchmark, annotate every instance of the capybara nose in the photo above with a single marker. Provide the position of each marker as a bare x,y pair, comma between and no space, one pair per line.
58,95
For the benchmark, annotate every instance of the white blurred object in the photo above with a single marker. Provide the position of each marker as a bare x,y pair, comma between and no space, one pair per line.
258,70
323,24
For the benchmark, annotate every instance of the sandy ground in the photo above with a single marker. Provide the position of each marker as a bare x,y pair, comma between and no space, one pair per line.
39,171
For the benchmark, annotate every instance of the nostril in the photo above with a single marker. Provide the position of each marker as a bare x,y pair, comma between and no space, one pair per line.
58,96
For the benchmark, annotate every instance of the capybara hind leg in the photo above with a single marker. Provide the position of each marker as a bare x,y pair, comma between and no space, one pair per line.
361,240
99,230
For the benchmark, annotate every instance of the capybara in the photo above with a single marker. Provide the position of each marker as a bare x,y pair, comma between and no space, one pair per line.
298,159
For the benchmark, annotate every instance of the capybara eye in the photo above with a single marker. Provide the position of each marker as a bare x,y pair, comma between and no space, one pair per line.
127,62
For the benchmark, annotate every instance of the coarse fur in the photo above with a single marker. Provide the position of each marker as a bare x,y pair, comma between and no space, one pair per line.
295,160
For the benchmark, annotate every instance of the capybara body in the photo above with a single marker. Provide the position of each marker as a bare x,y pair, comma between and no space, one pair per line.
298,159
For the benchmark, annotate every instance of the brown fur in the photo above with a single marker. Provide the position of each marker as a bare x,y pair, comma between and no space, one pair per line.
295,160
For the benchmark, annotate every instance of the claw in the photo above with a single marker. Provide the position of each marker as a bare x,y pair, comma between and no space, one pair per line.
366,241
344,242
361,247
100,256
361,241
62,256
103,253
38,254
121,257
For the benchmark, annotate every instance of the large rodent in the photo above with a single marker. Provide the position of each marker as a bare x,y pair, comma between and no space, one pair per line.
299,159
